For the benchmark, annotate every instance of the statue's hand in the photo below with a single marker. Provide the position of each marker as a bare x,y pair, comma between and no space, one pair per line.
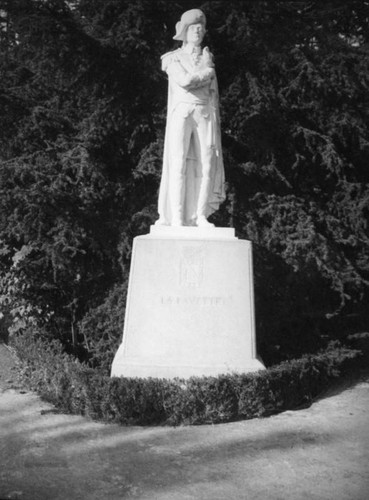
207,58
206,74
201,78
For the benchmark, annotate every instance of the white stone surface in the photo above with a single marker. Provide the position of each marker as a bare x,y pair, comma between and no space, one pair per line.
192,181
192,232
190,308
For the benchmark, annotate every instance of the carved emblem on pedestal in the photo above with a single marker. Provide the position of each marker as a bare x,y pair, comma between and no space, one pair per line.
192,267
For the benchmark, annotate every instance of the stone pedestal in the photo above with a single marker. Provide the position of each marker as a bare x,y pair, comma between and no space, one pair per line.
190,305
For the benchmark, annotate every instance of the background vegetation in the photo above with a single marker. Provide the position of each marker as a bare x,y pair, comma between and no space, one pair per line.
82,105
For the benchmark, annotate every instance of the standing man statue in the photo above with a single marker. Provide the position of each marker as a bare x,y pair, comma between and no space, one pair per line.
192,183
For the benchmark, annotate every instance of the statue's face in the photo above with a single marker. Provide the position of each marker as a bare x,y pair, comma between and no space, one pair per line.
195,33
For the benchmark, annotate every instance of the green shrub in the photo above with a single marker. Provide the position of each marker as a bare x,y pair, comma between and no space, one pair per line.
360,341
102,328
76,388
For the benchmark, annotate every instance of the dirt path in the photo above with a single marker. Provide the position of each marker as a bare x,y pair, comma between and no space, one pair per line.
317,453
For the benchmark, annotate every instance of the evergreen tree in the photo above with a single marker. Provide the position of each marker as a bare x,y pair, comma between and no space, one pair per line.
83,101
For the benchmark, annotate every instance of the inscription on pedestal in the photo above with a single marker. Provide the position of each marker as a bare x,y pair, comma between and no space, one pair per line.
171,300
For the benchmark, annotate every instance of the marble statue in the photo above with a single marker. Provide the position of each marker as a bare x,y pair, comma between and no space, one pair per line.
192,183
190,302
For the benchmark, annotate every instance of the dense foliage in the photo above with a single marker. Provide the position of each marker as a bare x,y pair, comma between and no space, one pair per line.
83,103
75,388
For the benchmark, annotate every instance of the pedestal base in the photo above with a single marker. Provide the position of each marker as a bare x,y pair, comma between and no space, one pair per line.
190,307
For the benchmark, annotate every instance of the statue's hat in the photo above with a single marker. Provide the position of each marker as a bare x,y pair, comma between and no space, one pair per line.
189,17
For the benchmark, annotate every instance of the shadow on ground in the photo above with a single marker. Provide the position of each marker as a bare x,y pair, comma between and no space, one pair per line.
321,452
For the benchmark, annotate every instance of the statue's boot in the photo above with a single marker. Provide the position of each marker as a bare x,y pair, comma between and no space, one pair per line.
161,222
202,203
176,199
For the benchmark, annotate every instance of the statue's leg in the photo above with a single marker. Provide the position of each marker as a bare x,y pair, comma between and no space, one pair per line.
206,155
179,139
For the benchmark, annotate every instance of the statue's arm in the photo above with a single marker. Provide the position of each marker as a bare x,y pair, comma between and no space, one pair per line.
190,80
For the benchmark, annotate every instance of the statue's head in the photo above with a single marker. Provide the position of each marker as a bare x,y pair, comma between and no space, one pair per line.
191,27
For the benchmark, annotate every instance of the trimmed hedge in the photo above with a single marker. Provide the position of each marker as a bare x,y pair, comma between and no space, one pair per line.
75,388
